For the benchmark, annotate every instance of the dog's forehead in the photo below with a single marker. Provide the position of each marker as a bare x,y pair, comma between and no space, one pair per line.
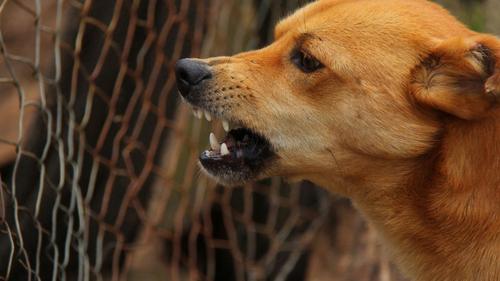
372,39
301,16
395,18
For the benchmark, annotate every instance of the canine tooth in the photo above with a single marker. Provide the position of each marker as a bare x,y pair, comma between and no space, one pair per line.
208,116
224,150
214,143
225,124
198,113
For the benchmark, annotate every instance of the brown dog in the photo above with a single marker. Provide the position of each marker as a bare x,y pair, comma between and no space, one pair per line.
392,103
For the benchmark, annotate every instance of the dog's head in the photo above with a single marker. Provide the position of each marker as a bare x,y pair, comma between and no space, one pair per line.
344,86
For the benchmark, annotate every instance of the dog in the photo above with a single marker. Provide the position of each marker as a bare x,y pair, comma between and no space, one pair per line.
394,104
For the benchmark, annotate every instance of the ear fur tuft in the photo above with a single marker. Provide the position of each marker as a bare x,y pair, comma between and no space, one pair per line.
461,76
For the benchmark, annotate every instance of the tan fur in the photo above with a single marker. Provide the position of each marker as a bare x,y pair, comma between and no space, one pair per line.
403,119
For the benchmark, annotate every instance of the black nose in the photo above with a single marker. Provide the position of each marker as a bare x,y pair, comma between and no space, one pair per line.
191,73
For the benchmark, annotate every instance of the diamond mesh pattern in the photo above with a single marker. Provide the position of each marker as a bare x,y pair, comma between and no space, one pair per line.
98,157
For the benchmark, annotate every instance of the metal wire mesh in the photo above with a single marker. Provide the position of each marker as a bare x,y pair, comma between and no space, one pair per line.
98,158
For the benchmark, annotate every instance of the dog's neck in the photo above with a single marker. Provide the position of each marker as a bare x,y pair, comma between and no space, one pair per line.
442,209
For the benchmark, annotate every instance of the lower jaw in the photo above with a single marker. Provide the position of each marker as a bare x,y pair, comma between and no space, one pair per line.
227,177
234,174
240,158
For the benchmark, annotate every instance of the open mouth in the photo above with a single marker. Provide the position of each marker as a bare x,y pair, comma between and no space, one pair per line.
240,156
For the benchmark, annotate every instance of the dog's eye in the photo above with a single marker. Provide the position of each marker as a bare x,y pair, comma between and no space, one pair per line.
305,62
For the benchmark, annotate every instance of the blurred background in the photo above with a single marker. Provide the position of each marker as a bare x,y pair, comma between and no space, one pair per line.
98,156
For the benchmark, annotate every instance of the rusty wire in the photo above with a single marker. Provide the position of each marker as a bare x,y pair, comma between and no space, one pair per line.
98,158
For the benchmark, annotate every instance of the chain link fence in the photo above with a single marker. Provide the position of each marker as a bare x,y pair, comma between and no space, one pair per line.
98,158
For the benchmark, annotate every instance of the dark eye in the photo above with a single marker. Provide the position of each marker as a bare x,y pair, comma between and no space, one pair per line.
305,62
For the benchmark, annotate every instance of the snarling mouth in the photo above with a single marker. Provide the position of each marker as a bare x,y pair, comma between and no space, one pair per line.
241,155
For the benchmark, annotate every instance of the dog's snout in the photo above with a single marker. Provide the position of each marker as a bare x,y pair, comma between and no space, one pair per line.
191,73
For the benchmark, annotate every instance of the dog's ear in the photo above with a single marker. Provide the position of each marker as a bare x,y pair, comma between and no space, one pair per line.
460,76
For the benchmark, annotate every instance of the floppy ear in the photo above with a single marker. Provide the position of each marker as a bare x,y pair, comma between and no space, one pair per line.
461,76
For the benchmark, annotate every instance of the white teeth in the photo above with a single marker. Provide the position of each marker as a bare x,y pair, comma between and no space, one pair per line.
224,150
214,143
198,113
225,124
208,116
